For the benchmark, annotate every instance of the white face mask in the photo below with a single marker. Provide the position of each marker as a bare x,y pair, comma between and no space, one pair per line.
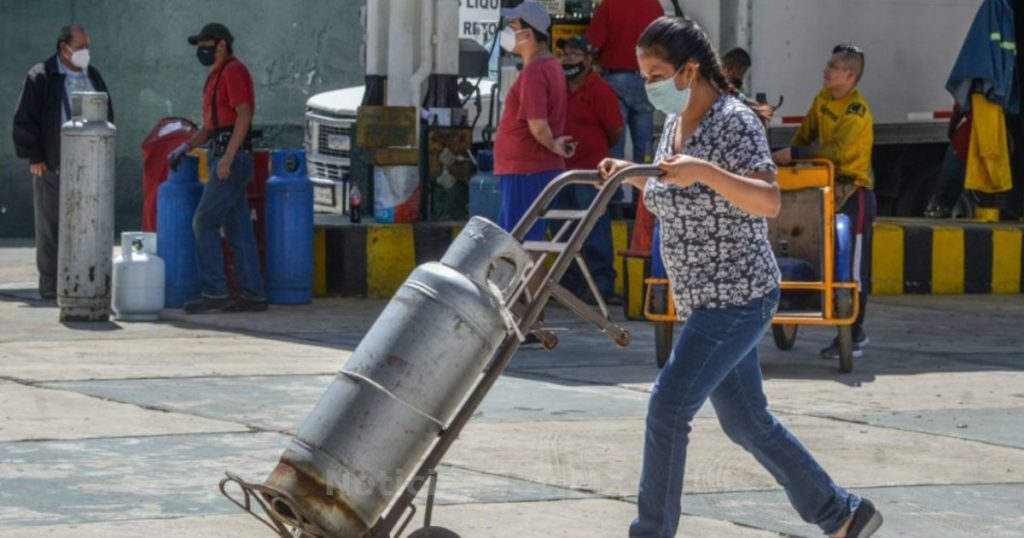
80,59
507,38
664,95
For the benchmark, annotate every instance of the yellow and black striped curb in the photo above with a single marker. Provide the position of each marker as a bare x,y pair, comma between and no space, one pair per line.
908,256
914,256
946,257
372,260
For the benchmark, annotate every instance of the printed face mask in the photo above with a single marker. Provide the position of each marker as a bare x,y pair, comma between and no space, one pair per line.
572,70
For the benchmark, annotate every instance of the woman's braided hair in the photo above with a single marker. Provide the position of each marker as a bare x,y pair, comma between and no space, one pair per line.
678,40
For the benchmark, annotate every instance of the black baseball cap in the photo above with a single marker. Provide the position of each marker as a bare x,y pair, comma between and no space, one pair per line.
214,31
577,42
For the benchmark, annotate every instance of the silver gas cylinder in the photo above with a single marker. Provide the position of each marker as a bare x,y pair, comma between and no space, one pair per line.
86,233
403,383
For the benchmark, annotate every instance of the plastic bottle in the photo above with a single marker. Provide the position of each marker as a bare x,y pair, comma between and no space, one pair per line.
355,200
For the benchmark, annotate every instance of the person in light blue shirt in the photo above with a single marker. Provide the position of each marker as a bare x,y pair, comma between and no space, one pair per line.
74,81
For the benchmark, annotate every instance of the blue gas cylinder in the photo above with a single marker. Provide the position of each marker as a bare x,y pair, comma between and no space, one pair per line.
289,229
484,194
176,202
843,249
797,270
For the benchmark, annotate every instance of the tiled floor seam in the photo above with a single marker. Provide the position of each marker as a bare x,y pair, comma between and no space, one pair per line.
253,428
49,383
898,429
540,376
131,436
858,488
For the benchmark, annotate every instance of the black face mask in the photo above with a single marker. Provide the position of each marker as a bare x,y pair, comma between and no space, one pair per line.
572,70
207,55
737,83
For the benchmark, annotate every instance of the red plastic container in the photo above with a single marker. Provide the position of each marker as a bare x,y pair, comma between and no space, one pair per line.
167,134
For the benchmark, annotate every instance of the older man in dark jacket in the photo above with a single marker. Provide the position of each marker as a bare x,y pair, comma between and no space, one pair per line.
44,106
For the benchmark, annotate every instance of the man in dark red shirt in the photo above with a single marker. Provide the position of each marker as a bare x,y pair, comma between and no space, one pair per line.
595,124
614,30
228,105
530,146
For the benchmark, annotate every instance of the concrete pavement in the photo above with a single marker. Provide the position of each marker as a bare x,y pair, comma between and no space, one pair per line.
124,429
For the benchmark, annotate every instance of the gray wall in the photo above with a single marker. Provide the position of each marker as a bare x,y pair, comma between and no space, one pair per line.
294,49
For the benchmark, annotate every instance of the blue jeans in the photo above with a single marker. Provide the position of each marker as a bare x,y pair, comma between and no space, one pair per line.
224,205
637,113
518,192
715,356
597,249
657,265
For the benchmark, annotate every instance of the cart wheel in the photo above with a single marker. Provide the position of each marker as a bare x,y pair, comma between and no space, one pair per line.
844,306
433,532
784,336
623,339
662,341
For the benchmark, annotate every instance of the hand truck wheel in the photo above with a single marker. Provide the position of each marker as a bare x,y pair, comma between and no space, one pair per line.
433,532
784,336
662,341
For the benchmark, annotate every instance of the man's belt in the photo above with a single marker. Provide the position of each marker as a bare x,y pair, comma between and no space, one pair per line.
219,139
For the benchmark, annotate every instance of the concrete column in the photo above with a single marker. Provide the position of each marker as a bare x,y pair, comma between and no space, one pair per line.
402,46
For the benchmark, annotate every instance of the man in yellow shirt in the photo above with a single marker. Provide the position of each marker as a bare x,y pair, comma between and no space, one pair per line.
839,127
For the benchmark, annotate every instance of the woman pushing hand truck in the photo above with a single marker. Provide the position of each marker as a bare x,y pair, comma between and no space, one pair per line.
713,199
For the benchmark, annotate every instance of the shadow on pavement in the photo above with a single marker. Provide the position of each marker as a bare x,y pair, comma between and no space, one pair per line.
27,297
327,322
910,335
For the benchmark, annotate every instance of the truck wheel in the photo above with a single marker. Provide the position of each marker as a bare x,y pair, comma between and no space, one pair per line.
662,341
784,336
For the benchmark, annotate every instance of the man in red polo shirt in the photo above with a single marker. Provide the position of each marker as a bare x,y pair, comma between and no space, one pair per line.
614,30
228,105
595,124
530,146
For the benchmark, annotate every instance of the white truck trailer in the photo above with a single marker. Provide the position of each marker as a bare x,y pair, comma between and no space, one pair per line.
910,47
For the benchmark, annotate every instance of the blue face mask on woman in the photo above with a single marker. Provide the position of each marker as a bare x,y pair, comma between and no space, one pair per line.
666,97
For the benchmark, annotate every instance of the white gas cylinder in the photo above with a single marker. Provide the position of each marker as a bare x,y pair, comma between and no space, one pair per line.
138,293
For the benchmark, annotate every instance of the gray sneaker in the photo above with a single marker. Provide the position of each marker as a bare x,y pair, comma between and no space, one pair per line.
860,342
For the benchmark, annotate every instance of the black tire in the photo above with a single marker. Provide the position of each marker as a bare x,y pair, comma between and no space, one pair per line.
433,532
784,336
844,306
662,341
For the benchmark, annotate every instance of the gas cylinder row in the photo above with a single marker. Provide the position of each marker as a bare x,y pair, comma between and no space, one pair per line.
288,230
139,282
